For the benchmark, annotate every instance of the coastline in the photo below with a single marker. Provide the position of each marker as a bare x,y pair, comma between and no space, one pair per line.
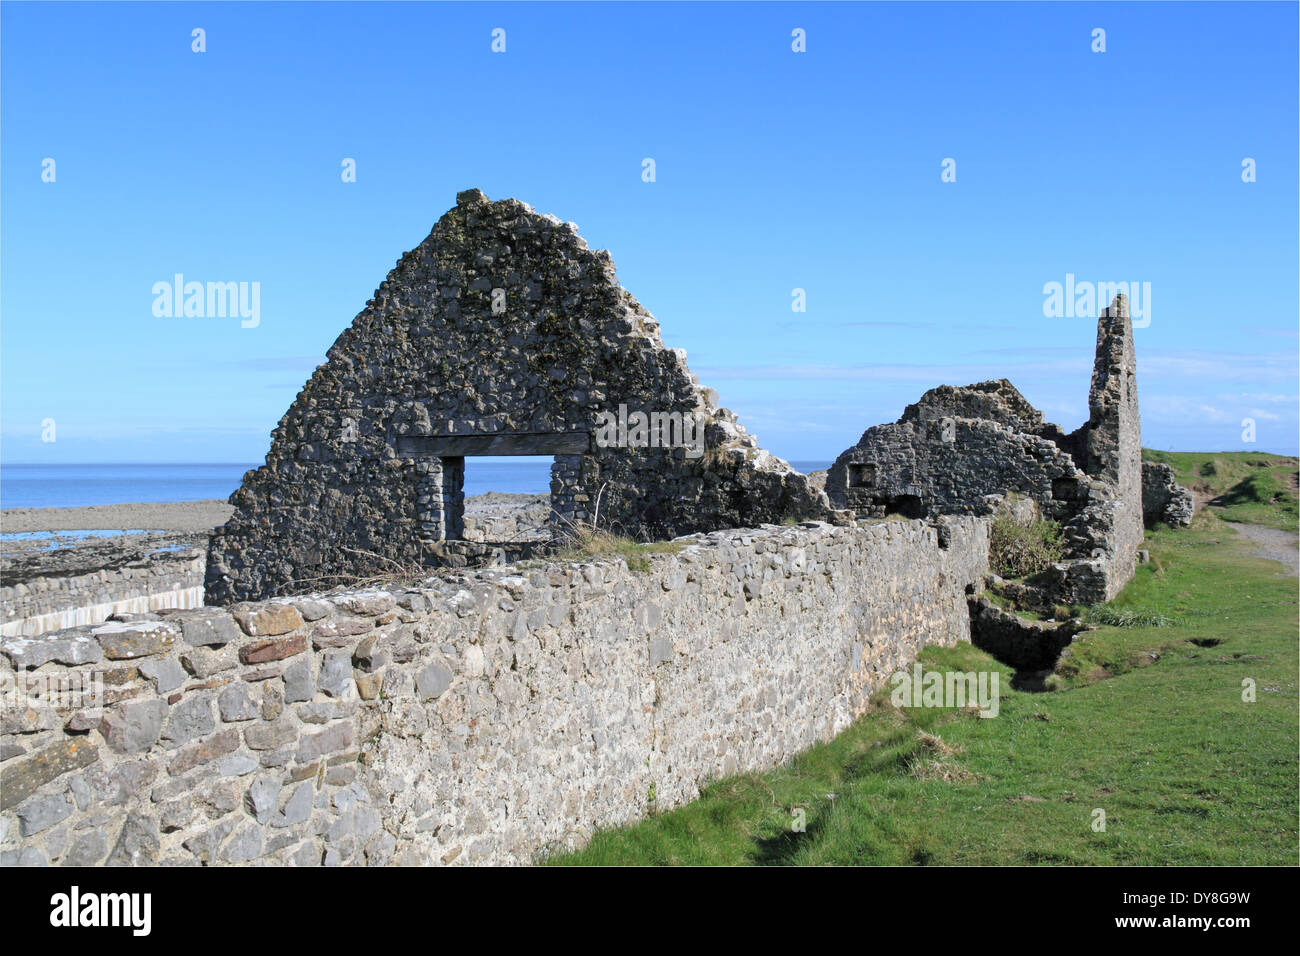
189,516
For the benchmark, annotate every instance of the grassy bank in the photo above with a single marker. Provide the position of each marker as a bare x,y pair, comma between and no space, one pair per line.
1147,724
1250,487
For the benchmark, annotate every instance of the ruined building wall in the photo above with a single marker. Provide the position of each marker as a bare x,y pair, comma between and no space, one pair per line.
944,465
957,447
997,401
478,717
1115,437
1104,536
501,333
994,401
1163,499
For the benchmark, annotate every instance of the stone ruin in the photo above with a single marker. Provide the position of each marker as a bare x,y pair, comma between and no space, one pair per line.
500,334
963,450
503,334
494,714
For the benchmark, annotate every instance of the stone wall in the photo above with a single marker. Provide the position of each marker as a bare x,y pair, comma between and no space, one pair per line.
39,602
1021,642
478,716
500,334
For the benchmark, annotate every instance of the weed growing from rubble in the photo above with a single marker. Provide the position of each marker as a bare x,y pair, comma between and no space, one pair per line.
1019,549
586,543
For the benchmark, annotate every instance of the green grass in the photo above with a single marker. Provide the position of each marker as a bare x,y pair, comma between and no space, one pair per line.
1146,723
1123,617
1249,487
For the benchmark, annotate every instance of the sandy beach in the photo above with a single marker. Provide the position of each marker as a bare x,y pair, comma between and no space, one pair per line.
187,516
144,516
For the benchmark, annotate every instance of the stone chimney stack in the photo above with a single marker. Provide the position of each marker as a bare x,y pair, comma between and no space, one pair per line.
1114,447
1115,429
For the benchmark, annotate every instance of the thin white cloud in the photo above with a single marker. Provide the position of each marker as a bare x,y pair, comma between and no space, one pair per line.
1187,364
1203,365
1184,409
954,374
1262,397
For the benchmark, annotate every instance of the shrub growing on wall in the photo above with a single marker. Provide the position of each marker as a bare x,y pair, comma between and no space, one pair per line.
1019,548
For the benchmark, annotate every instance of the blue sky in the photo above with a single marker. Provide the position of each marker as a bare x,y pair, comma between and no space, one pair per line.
775,170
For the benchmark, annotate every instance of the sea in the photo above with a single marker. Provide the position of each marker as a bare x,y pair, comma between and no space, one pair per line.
75,486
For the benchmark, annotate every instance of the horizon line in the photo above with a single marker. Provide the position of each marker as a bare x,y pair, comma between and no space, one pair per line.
502,459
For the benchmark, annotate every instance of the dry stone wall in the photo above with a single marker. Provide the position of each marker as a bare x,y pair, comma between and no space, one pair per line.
479,716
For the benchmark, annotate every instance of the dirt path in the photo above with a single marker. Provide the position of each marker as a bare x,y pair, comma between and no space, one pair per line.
1274,543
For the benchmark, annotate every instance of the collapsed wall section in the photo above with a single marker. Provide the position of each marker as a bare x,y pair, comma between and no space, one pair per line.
1163,499
483,716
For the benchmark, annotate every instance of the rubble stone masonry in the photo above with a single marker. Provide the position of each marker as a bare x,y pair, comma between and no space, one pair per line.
478,716
961,450
500,334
